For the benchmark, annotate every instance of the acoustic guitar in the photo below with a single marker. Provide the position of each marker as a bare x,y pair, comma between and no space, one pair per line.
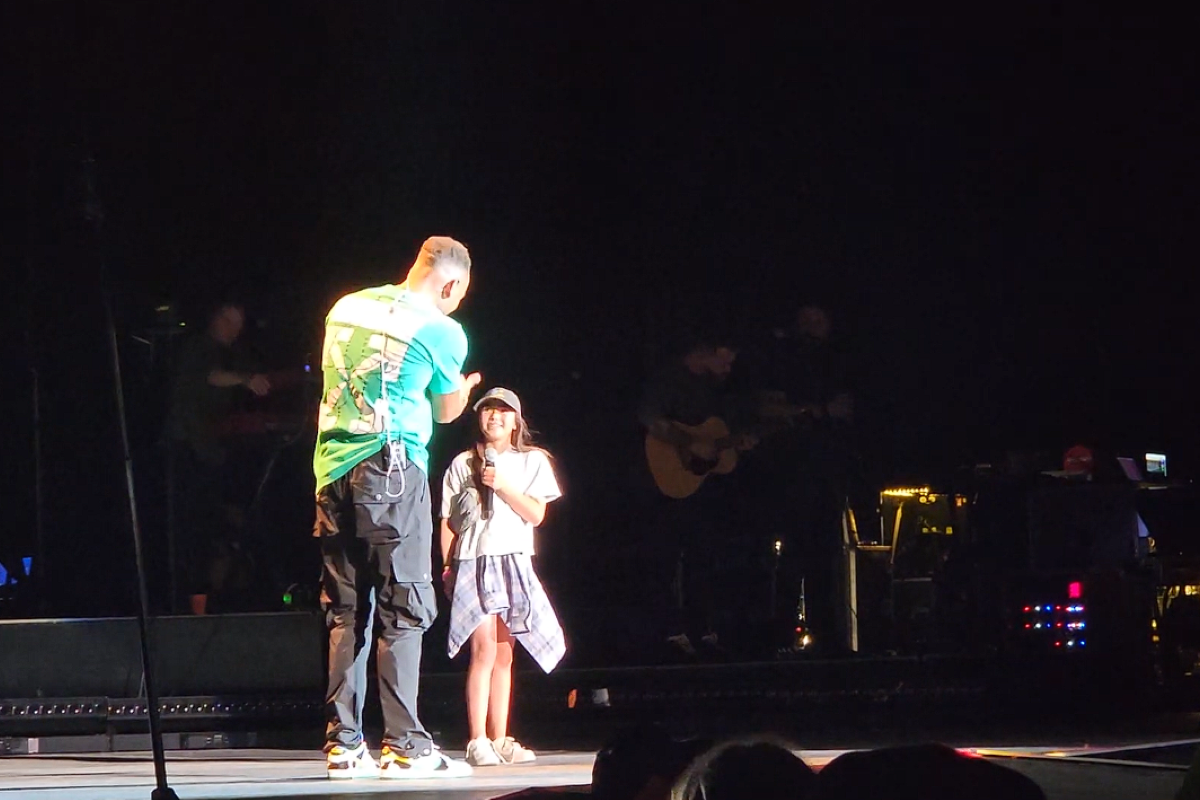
679,473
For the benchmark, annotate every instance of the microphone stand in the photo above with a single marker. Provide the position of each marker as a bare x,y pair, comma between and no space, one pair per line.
38,567
95,215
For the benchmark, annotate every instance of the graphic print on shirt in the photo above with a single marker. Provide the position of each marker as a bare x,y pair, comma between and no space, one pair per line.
356,402
365,344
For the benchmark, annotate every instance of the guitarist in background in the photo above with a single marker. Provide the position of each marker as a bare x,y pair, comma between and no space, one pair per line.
797,482
688,534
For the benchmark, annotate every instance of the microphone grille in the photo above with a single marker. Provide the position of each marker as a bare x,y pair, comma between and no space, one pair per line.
489,455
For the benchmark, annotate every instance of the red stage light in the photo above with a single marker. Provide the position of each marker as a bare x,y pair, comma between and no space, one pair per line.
1074,590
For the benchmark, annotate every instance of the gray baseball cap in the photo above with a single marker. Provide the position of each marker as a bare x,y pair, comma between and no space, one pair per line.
505,396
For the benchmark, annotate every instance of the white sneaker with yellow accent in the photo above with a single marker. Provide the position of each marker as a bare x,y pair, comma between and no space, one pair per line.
429,763
343,763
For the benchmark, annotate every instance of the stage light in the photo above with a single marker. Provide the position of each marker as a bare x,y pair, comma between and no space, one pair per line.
906,491
84,707
1074,590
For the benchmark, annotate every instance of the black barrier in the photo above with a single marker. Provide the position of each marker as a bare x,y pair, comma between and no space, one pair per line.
235,654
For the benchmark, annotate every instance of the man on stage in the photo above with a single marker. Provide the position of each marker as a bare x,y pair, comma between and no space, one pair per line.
688,536
209,374
797,481
391,364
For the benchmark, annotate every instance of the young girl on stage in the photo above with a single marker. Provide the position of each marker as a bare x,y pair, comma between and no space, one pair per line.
493,496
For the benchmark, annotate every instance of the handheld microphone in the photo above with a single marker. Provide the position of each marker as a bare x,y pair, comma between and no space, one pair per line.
489,500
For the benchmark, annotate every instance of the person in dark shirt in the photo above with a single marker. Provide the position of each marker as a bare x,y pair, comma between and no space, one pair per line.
802,365
795,478
688,531
207,381
206,384
688,391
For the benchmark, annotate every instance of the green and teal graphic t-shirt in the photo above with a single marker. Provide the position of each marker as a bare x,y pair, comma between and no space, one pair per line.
387,351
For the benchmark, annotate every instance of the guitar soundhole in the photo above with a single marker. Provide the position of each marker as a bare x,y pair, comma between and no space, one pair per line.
700,466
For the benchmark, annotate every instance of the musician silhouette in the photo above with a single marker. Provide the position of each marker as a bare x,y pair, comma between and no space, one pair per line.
796,482
686,520
210,373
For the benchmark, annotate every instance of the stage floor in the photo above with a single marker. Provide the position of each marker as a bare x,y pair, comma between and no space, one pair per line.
1121,770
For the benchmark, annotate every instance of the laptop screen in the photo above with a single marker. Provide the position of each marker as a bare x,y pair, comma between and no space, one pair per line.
1156,465
1130,468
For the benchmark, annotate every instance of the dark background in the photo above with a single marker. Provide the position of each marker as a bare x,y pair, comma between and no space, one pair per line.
999,208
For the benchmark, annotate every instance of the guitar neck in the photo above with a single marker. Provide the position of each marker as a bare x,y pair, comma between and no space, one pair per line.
731,440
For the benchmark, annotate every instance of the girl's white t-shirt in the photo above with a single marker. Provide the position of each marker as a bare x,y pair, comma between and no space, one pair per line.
506,533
